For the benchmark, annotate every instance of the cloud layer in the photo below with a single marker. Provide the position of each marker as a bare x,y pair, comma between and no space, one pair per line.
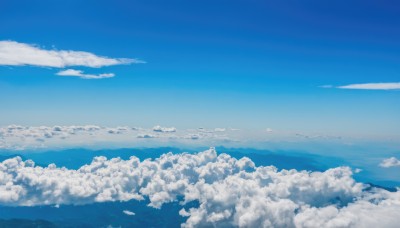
230,192
15,137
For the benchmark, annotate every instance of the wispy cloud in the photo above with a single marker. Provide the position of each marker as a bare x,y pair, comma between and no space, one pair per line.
13,53
130,213
368,86
79,73
326,86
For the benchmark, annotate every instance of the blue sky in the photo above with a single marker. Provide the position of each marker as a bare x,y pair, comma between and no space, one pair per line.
244,64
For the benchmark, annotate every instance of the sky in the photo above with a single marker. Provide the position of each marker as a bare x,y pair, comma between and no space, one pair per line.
221,113
285,65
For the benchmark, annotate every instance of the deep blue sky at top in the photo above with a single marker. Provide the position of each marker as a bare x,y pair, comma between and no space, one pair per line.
247,64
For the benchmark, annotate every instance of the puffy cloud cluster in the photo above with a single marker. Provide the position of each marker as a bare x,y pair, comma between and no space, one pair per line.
229,191
390,162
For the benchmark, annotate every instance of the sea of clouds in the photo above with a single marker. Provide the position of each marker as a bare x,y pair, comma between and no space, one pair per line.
229,191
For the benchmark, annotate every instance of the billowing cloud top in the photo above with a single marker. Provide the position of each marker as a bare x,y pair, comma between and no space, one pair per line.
230,192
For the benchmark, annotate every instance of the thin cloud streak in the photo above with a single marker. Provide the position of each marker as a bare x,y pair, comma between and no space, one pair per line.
80,74
372,86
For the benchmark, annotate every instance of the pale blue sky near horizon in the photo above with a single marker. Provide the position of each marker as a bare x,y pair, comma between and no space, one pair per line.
250,65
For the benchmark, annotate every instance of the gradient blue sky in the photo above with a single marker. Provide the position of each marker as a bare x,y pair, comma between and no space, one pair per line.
244,64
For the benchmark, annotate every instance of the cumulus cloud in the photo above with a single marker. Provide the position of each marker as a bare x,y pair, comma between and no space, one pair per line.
390,162
13,53
373,86
80,74
229,191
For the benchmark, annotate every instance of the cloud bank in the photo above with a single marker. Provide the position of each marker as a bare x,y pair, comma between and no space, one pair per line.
230,192
16,137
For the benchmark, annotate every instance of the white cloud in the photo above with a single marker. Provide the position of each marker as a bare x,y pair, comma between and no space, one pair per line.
130,213
357,170
369,212
79,73
373,86
158,128
390,162
13,53
230,192
15,137
95,137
